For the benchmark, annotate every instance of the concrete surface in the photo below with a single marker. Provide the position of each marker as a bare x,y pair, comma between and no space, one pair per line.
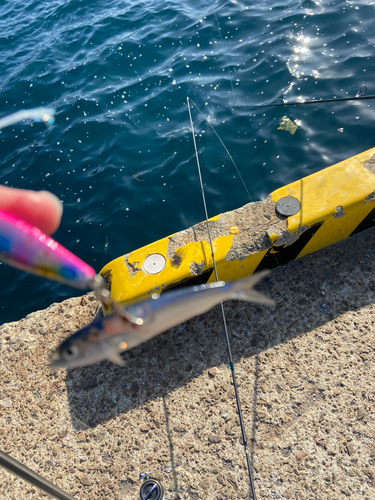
305,372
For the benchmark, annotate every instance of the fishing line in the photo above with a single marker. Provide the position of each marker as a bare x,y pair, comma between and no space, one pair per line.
226,150
242,425
360,96
226,60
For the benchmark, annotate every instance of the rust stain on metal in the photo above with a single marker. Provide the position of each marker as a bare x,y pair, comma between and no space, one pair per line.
196,269
108,279
132,267
339,212
177,258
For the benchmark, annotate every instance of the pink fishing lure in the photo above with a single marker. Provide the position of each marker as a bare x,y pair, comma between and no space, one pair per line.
27,248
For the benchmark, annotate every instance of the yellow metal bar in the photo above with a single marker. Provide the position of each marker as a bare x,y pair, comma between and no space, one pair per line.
339,196
334,204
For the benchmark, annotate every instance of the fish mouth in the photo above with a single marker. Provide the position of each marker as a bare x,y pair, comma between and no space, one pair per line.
56,361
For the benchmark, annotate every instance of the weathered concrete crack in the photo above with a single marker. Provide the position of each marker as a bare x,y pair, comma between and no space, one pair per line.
370,164
286,238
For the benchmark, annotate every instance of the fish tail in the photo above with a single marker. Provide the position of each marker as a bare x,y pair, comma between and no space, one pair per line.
243,289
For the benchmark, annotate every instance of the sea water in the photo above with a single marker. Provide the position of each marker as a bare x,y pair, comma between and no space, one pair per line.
120,154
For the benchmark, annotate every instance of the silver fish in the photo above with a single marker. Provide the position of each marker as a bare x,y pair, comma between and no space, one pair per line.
108,336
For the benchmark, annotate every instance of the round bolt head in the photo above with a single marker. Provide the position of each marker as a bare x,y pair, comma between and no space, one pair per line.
154,263
234,230
288,206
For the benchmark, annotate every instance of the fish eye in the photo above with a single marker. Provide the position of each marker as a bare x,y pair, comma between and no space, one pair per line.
70,352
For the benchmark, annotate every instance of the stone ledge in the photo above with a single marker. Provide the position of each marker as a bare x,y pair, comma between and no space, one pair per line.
305,372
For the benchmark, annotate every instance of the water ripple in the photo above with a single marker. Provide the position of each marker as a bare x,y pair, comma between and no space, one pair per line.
120,153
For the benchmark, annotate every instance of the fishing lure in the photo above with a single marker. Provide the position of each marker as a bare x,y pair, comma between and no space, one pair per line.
47,115
106,337
27,248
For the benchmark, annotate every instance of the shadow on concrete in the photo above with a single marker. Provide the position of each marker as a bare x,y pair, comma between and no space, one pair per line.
309,293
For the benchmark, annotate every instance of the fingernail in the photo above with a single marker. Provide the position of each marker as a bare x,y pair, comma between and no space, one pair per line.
55,201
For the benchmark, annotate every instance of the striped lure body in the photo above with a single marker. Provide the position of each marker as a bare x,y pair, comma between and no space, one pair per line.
27,248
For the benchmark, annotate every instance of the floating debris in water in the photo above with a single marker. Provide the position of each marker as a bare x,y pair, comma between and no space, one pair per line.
289,125
136,178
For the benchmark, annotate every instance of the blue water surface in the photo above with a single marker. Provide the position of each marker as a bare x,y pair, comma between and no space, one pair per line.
120,154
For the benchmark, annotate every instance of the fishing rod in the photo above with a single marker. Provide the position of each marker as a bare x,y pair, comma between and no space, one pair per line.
242,425
20,470
360,96
151,488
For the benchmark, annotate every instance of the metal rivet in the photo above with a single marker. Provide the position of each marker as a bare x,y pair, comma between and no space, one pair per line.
288,206
154,263
234,230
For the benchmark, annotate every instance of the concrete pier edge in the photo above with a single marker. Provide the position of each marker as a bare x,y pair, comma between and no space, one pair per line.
305,372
